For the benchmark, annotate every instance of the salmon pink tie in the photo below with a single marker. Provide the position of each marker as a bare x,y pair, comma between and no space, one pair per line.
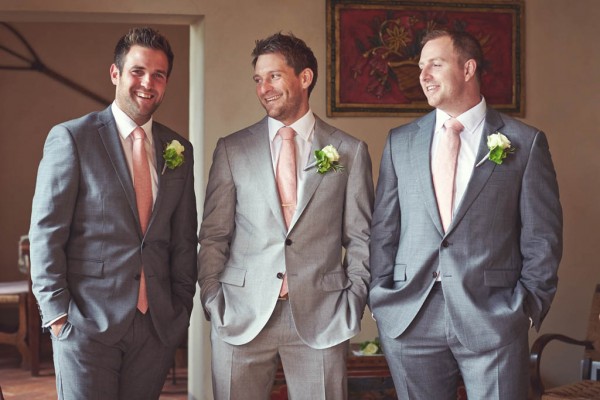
286,182
142,184
444,169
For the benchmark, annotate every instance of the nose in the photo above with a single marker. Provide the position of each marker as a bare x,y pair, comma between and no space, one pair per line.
263,87
146,80
424,75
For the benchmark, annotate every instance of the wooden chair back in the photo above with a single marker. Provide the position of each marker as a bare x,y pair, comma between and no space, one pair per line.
589,386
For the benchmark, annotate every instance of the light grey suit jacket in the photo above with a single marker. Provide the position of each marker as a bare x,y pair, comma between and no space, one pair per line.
87,247
244,243
500,256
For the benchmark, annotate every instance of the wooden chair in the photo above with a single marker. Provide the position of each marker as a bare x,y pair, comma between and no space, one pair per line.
27,337
589,386
15,293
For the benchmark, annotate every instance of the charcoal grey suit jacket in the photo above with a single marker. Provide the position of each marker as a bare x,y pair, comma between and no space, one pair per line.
500,255
87,248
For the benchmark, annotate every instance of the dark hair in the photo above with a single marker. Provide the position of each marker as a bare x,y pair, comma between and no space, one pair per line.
296,53
145,37
466,46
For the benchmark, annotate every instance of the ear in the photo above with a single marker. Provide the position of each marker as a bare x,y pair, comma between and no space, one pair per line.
114,74
469,69
306,77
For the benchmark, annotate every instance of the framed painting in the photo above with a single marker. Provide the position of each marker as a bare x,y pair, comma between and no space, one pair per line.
373,49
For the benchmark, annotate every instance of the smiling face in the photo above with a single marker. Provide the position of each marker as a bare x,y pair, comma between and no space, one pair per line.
141,86
448,83
282,93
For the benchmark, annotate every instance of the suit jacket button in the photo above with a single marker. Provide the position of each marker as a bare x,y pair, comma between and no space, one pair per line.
445,243
434,275
279,275
288,242
137,277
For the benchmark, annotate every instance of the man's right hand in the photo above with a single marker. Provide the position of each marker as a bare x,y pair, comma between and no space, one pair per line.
57,326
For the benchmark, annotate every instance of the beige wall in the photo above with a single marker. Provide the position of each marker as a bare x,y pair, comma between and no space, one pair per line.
562,98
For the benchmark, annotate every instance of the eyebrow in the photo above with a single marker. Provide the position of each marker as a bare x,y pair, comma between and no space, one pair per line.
138,66
267,73
432,60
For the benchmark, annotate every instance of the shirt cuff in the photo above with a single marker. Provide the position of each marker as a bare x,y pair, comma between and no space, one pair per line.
54,320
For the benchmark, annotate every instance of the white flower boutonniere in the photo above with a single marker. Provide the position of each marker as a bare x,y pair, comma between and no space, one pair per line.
173,155
499,146
328,159
370,347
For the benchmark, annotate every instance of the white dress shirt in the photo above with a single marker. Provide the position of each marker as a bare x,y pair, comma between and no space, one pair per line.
125,126
470,137
305,128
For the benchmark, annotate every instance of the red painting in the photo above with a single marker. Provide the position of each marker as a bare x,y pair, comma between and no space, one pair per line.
374,49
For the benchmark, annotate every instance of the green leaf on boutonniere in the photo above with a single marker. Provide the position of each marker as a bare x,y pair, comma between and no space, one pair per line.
497,155
173,155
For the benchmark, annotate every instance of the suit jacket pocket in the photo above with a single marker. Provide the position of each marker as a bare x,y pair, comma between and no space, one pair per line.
92,268
233,276
400,273
501,277
333,281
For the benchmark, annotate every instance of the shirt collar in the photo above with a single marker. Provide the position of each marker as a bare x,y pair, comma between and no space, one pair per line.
126,125
303,127
470,119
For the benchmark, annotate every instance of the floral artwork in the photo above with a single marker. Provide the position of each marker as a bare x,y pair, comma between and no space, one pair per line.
373,60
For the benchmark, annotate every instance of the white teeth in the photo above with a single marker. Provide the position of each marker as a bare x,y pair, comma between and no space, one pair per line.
144,95
269,99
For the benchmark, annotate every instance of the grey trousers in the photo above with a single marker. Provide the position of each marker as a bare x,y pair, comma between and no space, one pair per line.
134,368
427,360
247,372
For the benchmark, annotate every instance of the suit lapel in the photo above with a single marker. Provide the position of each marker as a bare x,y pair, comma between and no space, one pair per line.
257,151
481,174
112,143
160,142
321,138
420,156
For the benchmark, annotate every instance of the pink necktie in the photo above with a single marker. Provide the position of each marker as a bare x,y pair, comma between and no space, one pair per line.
286,182
444,169
143,193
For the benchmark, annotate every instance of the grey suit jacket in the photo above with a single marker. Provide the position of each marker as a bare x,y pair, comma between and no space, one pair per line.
244,243
500,256
87,247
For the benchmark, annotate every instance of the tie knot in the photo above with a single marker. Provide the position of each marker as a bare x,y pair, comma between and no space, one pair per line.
286,133
138,133
454,126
